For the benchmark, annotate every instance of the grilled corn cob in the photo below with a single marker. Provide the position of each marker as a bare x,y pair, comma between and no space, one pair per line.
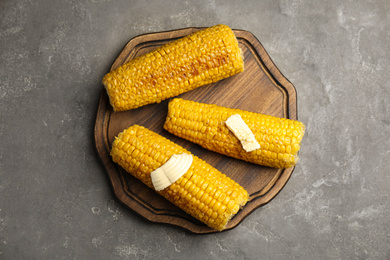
201,58
203,191
204,124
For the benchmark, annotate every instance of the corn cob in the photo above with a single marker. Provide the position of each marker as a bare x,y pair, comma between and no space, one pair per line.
201,58
204,124
203,191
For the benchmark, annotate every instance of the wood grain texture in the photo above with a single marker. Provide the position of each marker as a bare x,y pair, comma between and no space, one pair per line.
260,88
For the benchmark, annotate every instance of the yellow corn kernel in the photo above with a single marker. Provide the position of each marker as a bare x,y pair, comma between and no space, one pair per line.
175,68
279,138
201,192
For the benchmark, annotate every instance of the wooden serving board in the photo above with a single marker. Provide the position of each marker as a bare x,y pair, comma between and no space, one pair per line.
260,88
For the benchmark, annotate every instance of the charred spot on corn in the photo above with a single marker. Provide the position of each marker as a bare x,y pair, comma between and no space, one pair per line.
202,191
204,124
201,58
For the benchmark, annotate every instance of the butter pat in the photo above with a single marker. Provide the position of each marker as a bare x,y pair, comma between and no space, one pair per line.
171,171
241,130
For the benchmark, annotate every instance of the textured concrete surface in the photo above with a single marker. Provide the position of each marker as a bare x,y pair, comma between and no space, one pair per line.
55,199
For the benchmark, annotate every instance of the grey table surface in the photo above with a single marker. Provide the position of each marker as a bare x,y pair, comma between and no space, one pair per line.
55,198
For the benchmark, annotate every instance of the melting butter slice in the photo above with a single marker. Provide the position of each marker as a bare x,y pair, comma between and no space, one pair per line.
241,130
171,171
